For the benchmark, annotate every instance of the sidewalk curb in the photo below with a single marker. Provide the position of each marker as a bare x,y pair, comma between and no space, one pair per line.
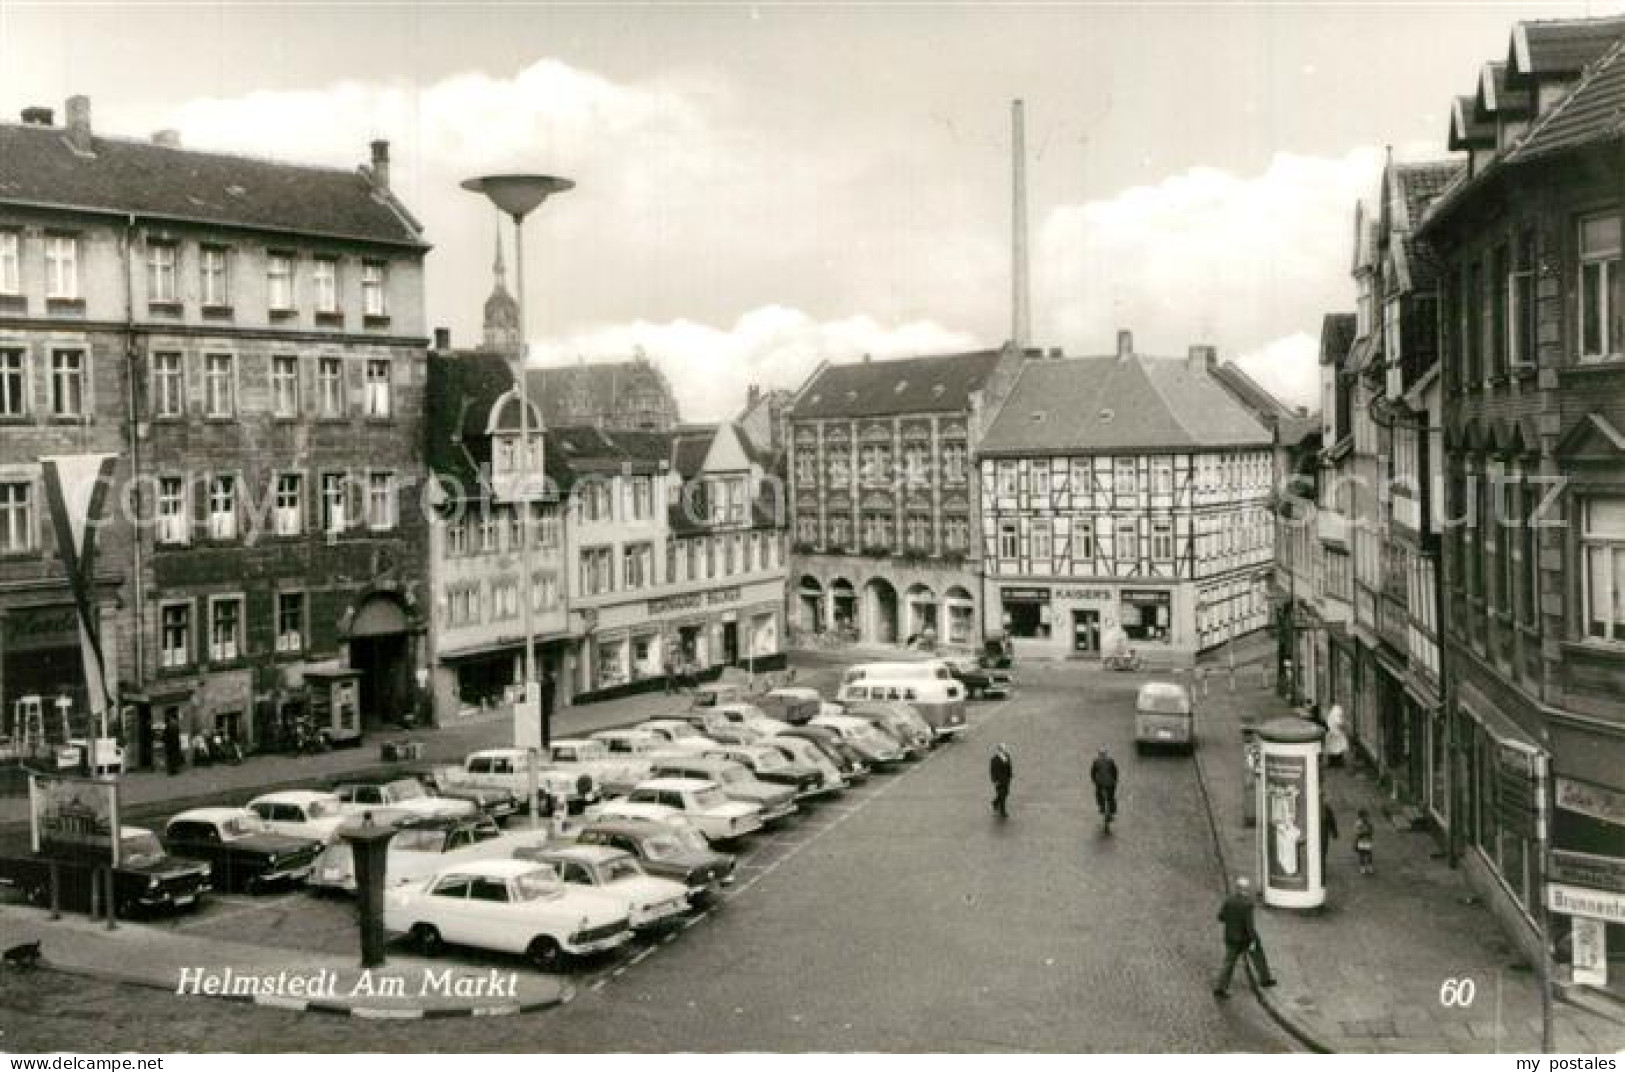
566,994
1284,1019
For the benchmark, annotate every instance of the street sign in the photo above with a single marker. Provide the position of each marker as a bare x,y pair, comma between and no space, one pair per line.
1588,870
1593,800
1593,904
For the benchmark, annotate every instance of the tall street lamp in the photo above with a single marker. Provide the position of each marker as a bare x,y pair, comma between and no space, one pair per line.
517,196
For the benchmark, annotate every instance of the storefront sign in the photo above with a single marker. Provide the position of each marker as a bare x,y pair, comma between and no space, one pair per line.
1025,595
690,601
1588,870
1287,833
1084,595
722,595
79,815
1594,904
1589,938
37,628
1593,800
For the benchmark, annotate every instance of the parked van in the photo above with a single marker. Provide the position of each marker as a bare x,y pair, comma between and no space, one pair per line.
929,687
1164,716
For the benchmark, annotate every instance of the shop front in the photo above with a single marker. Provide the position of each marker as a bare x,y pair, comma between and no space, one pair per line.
1073,621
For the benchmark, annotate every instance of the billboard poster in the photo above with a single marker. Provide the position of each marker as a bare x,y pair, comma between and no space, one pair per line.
1286,852
74,816
1590,942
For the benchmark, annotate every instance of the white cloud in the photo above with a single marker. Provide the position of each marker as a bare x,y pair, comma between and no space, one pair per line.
710,367
1289,368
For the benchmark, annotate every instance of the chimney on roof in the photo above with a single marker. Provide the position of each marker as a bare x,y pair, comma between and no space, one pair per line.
1303,411
168,138
753,395
38,117
1203,357
442,339
79,123
1125,345
380,164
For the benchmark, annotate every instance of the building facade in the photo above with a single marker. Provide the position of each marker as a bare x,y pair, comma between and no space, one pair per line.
884,497
626,396
1533,358
250,335
1129,494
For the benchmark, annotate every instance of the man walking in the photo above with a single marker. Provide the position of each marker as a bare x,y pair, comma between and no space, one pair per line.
1103,772
1002,771
548,688
1240,937
172,744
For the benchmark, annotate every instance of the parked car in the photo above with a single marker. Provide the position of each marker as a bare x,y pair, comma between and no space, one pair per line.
420,847
300,813
795,704
703,802
717,692
981,682
614,775
736,782
508,768
147,880
491,801
929,687
897,720
651,902
511,906
1164,717
625,809
800,750
773,767
877,749
643,746
678,734
737,723
852,766
241,853
675,851
399,795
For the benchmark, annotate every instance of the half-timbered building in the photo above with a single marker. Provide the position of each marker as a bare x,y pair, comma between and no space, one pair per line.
1125,492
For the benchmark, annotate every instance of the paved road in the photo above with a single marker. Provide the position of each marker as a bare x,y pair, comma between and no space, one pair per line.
905,917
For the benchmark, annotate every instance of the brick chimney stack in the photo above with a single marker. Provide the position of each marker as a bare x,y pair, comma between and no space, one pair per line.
753,395
380,164
1125,345
1203,358
78,134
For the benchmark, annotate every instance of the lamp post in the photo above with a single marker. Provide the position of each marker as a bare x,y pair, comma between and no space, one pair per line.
517,196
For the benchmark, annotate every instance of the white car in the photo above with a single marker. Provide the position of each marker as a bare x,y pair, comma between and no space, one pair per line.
616,774
642,746
399,796
616,875
738,723
678,734
875,747
704,804
300,813
622,808
508,768
420,848
800,750
513,906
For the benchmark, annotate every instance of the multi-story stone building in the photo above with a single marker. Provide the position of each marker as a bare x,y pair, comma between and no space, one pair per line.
1533,358
248,336
1125,492
884,498
1333,655
627,396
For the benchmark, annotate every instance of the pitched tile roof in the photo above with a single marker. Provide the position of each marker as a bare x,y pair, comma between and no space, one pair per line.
1559,46
1294,430
573,394
1417,186
1336,336
1594,111
462,387
1249,393
39,167
585,449
907,385
1087,404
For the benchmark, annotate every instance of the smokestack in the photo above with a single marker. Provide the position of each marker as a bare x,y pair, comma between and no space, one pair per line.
79,124
1021,325
380,164
1202,358
1125,345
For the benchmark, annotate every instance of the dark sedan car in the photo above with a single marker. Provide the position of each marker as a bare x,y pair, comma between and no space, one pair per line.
679,853
852,766
242,854
147,879
498,804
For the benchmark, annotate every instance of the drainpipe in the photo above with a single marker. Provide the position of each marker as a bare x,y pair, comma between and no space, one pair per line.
132,413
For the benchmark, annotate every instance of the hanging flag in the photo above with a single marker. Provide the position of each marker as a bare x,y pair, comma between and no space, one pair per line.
76,492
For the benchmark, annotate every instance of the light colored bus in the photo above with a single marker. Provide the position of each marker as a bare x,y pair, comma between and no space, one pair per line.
929,687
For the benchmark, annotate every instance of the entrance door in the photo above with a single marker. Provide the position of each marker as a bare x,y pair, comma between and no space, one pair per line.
1086,632
385,687
730,643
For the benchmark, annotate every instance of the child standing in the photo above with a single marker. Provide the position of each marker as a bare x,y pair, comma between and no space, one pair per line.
1363,836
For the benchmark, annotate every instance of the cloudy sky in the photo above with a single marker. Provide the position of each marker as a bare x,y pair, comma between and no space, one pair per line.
763,186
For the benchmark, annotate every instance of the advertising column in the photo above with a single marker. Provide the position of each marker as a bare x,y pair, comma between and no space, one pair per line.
1289,813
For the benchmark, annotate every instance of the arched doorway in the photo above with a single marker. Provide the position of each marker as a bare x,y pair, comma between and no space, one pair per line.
961,610
880,612
381,648
923,627
843,606
811,617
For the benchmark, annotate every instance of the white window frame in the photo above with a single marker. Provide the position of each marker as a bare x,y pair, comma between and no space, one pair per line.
379,389
1043,541
335,502
383,507
1083,539
1121,527
1162,541
289,507
279,282
1009,540
330,388
14,385
163,259
291,640
78,377
168,384
284,385
62,267
214,277
374,275
11,263
219,373
172,658
172,509
324,277
224,506
1606,262
953,463
1608,545
19,517
234,647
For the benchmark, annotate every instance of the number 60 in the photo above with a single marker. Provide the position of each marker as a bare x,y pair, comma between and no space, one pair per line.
1457,992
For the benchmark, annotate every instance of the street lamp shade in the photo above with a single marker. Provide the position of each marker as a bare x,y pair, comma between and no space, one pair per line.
517,195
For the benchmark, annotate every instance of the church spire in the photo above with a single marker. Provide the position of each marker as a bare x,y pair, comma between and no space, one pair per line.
501,310
497,268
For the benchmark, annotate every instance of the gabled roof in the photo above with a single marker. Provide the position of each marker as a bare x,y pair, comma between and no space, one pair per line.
1594,111
1558,47
1089,404
1246,390
586,449
569,394
689,447
123,176
1336,336
1467,129
907,385
1294,430
1495,97
1413,188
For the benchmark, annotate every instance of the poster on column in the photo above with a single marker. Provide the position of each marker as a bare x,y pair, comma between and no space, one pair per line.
1590,940
1287,833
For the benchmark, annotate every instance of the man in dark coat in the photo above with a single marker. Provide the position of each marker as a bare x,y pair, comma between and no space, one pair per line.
172,745
547,689
1103,772
1240,938
1328,833
1002,772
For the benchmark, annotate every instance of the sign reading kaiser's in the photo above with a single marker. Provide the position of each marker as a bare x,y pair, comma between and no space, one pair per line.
77,816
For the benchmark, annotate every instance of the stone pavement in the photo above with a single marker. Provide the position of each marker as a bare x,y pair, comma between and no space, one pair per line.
288,978
1366,973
